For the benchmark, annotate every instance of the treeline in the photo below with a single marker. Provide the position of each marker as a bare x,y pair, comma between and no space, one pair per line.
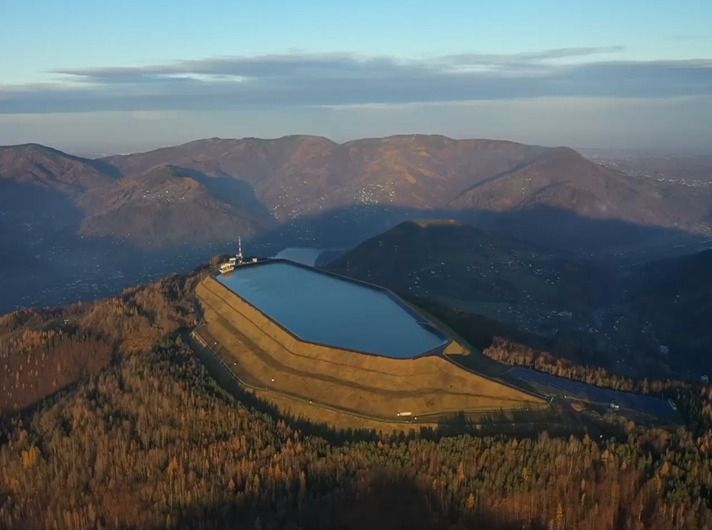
152,442
515,353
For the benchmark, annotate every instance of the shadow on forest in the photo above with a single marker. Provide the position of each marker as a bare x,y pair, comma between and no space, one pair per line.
373,500
45,260
548,227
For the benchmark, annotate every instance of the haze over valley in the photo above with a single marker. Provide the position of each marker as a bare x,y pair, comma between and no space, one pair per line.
557,234
174,208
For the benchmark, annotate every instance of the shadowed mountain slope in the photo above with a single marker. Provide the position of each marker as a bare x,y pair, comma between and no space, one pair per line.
457,261
72,228
673,300
169,206
163,207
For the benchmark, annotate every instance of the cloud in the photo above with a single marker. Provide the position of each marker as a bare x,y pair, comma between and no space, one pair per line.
304,80
529,58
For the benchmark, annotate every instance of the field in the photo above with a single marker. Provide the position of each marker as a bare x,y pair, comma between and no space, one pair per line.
321,382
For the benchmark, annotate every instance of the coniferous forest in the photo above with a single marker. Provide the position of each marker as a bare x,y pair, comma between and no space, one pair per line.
146,439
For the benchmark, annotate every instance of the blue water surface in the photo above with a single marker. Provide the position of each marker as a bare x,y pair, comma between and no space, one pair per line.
327,309
568,389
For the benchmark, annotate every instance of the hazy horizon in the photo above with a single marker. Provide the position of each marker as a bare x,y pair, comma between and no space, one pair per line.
135,77
589,152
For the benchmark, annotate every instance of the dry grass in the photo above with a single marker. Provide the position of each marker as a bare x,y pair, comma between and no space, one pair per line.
269,357
335,418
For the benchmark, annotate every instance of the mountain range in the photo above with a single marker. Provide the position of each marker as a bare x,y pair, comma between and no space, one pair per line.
488,180
194,199
296,176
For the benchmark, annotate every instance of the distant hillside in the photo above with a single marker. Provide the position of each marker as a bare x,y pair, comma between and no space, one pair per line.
499,277
296,175
548,195
170,206
653,318
33,164
299,174
39,187
72,228
564,180
673,300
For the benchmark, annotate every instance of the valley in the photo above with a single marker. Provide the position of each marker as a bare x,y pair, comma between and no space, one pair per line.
74,228
590,311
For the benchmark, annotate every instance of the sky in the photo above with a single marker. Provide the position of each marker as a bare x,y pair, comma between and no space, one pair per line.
108,77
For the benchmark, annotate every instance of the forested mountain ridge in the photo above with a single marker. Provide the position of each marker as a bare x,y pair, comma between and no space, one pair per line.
151,442
446,259
146,439
297,175
650,319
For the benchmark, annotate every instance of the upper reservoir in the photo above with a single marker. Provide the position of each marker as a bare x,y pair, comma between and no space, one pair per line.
327,309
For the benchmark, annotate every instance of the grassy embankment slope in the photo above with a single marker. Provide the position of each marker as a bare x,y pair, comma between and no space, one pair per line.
336,382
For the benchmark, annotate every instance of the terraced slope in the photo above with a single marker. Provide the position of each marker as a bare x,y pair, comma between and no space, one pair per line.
267,357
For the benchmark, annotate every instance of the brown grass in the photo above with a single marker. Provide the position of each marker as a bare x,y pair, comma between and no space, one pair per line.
333,417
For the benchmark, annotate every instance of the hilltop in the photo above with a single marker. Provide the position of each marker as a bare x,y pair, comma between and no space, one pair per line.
458,264
38,165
